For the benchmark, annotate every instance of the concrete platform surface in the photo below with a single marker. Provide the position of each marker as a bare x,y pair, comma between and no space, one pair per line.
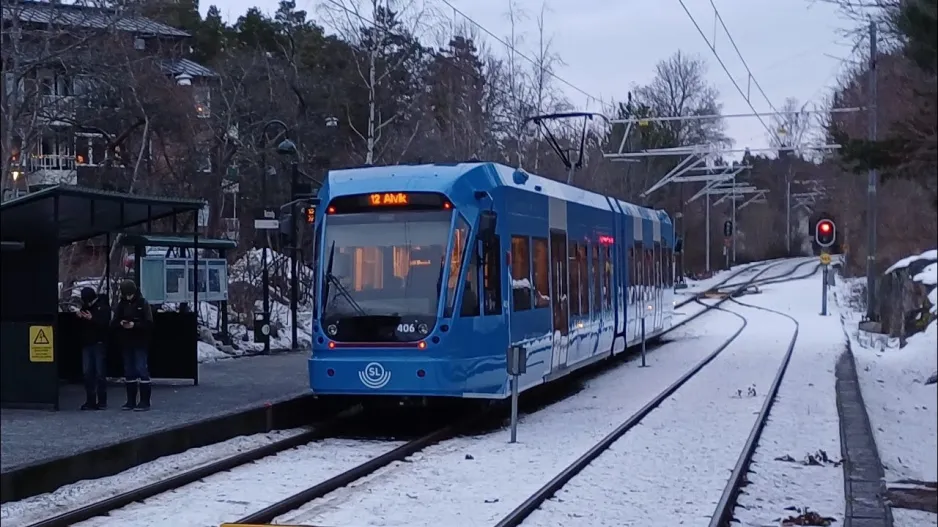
31,437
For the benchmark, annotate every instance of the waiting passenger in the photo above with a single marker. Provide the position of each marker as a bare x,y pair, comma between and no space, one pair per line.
132,322
95,317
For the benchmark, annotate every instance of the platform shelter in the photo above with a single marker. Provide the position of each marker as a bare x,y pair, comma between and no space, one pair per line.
33,346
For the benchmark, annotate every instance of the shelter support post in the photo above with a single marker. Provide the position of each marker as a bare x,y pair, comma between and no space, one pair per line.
223,307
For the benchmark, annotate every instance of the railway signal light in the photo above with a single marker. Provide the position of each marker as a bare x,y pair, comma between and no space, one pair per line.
825,232
727,228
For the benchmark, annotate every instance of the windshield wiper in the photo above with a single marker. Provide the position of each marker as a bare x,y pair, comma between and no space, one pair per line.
339,287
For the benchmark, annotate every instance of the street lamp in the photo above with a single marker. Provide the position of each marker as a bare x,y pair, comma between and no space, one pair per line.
286,147
331,124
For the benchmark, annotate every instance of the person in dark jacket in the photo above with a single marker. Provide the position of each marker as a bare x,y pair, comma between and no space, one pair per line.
132,323
95,317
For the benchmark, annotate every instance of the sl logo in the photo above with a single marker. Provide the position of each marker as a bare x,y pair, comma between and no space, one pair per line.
374,376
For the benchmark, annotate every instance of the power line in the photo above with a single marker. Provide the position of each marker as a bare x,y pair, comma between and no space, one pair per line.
520,54
740,55
475,75
712,46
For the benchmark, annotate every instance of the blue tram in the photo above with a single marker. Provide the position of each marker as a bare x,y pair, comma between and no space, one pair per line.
427,274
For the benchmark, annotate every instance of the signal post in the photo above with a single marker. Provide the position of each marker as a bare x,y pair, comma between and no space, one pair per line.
825,233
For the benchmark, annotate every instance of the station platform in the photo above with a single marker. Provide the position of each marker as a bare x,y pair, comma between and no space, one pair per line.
43,450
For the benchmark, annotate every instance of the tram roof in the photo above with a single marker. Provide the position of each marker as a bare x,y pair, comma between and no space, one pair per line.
453,178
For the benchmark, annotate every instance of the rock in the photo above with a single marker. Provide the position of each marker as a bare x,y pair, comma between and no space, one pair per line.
933,379
205,335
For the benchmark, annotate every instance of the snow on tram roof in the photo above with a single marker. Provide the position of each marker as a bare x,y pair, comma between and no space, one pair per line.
441,177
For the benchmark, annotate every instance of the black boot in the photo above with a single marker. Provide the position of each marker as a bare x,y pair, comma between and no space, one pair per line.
144,397
131,396
90,403
102,395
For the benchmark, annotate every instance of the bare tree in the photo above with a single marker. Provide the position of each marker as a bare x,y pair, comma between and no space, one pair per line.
546,97
518,86
680,88
39,40
792,125
383,36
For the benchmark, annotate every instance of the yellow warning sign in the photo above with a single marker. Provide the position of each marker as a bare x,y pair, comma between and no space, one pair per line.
40,344
825,259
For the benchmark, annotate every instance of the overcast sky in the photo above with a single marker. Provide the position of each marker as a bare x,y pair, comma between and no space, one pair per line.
785,44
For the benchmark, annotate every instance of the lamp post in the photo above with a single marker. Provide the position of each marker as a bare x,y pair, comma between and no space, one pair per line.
331,124
286,147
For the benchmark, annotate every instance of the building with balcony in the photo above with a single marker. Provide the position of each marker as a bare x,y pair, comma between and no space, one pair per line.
61,121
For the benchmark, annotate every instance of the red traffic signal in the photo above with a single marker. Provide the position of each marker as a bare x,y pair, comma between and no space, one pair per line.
825,233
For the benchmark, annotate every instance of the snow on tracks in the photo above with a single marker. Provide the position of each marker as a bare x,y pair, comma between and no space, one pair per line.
671,469
474,481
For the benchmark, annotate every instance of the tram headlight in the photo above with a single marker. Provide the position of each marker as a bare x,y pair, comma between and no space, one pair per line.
423,329
332,330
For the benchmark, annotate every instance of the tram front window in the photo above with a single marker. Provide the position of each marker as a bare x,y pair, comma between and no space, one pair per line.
382,273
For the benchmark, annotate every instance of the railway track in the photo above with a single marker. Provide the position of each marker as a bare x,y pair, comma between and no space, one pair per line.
331,427
723,513
295,502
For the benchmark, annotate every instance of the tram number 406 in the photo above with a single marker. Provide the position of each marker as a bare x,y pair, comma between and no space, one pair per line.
406,328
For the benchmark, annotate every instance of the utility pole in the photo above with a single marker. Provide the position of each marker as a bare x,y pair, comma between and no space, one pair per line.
707,230
871,187
735,230
788,209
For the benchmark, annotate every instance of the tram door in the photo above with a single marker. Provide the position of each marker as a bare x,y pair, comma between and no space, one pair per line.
558,298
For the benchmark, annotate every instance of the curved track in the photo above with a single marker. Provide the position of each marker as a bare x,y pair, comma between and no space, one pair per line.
726,505
723,514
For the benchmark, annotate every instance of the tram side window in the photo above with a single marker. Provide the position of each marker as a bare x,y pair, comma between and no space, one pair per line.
574,265
597,280
650,266
607,277
470,294
492,278
656,256
668,259
456,257
584,279
631,275
541,261
520,273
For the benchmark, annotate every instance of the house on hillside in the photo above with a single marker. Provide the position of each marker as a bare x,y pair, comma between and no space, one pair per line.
76,81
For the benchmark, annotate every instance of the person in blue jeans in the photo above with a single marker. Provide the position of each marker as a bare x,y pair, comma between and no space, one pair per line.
132,323
95,317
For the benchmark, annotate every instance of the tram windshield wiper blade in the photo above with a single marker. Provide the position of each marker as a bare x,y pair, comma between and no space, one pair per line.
339,287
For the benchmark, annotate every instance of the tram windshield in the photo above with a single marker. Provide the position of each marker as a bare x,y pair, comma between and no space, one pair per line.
384,265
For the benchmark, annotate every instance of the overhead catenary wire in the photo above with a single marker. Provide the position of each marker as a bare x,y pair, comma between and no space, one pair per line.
514,50
713,49
475,75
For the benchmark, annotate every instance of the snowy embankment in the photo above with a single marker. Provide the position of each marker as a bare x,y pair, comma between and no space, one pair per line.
796,467
902,408
245,298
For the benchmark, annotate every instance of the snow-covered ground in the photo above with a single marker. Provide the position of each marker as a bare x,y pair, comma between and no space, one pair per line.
459,482
475,481
231,495
903,410
70,497
680,457
671,469
776,268
789,467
